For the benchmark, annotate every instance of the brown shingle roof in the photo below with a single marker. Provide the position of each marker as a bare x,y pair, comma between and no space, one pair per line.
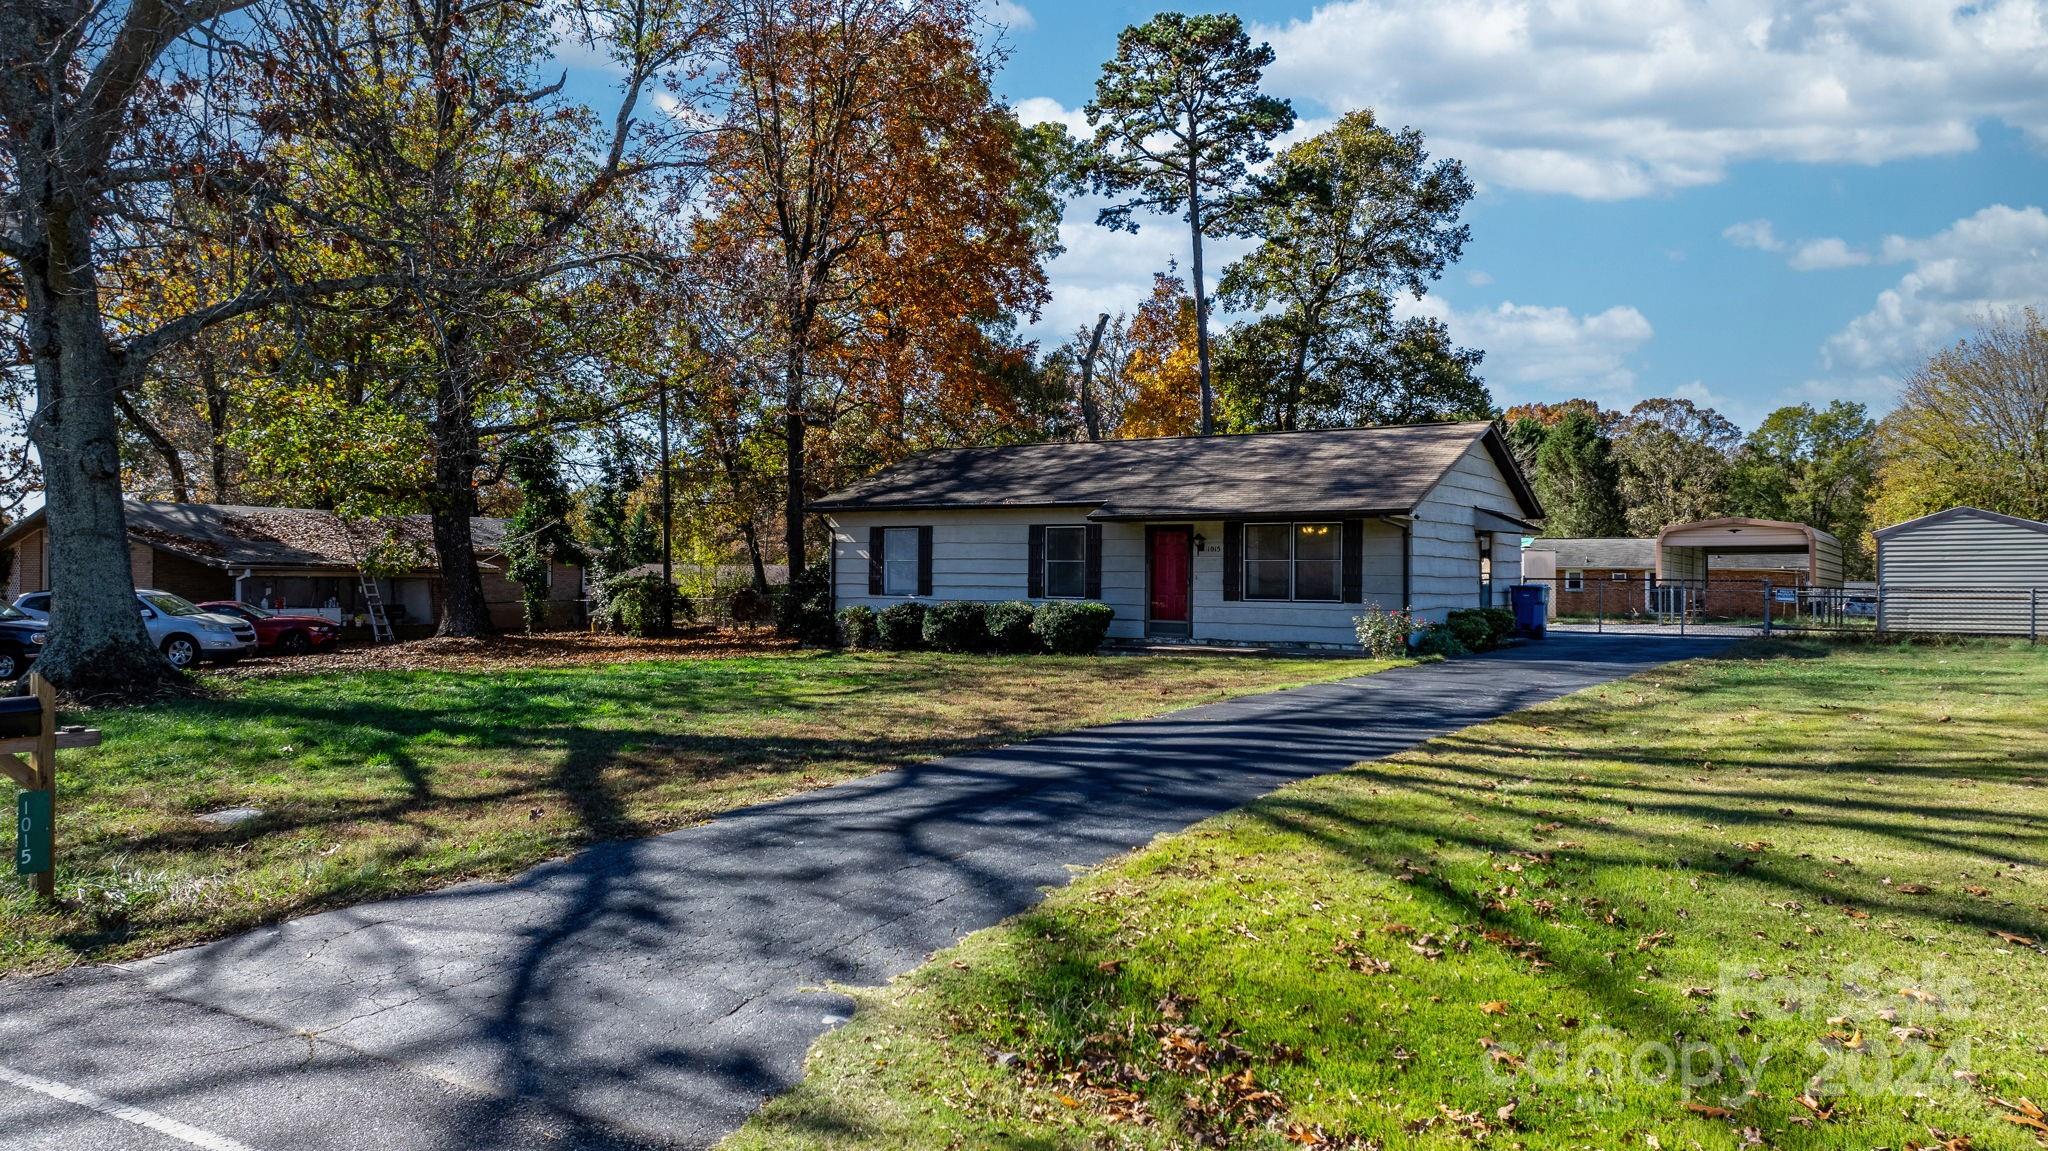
238,535
1596,552
1386,470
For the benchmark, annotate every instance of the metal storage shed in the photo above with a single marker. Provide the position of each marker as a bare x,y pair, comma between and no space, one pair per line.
1965,571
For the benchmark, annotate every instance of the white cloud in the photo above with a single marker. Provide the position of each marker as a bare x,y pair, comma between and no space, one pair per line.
1045,109
1756,234
1996,258
1822,255
1011,15
1607,99
1536,352
1478,279
1106,271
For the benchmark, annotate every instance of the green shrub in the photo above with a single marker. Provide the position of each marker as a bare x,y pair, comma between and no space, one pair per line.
955,625
1009,626
628,604
1069,627
1501,620
1471,628
805,610
857,627
1436,639
901,626
1384,634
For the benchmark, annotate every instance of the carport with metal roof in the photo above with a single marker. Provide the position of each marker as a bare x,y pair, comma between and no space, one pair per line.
1685,551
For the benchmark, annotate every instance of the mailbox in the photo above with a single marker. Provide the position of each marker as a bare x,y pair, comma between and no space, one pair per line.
21,717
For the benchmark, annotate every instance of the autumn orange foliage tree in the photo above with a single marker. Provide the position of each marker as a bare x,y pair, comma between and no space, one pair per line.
864,233
1163,369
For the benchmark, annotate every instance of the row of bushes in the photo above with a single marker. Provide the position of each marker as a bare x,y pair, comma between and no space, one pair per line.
1387,634
1062,627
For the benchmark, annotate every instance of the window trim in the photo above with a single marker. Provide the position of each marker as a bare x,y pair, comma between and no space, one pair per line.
1293,561
1080,562
1619,576
915,545
1575,580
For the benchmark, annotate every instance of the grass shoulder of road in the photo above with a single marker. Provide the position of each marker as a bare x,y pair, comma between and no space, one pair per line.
381,783
1793,897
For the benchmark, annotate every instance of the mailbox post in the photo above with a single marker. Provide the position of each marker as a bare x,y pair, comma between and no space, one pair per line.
35,808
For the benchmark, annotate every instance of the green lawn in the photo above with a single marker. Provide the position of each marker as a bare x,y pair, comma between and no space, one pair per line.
1808,877
379,783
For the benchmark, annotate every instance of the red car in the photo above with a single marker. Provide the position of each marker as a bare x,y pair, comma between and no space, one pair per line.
277,632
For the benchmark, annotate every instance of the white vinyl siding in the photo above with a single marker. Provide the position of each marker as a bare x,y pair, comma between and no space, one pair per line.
985,555
1444,545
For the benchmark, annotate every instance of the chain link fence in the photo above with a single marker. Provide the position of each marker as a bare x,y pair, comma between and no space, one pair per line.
1768,606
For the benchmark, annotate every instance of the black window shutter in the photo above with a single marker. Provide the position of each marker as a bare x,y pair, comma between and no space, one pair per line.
1233,559
875,538
1354,561
1094,588
1034,580
924,560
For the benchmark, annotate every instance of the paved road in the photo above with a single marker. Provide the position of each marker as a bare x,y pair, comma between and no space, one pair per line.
656,991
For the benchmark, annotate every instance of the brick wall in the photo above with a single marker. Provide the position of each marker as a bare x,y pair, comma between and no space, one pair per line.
29,572
1601,592
565,596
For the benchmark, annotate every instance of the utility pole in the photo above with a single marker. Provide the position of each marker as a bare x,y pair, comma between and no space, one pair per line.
668,577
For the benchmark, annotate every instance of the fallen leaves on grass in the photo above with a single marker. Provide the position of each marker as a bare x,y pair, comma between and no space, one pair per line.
551,649
2025,1113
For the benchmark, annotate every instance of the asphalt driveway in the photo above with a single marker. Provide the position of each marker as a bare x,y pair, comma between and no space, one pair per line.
655,991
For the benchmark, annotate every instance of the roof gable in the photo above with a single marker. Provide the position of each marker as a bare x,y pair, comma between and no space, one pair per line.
1384,470
1964,512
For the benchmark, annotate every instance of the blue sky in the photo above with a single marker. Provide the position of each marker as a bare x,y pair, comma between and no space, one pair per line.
1745,202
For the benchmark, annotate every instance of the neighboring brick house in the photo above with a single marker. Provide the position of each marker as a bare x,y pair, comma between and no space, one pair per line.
1622,577
1600,576
294,558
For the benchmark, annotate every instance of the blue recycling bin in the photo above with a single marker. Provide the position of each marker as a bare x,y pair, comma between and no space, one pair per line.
1531,618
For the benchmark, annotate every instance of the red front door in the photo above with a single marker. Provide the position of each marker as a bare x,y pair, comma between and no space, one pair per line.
1172,551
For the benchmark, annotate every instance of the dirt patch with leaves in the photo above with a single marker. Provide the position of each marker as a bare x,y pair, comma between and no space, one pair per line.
497,653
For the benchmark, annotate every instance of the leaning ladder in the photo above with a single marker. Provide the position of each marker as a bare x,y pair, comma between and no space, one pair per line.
381,630
373,606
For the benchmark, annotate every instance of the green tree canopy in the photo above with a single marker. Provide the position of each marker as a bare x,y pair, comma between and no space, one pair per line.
1578,480
1674,457
1971,427
1179,120
1813,466
1350,219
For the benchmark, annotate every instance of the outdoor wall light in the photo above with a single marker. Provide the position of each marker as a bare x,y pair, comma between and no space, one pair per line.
1201,544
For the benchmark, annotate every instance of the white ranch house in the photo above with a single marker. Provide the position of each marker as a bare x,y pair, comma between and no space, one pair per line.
1275,538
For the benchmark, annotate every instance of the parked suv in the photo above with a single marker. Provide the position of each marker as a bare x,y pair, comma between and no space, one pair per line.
183,632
